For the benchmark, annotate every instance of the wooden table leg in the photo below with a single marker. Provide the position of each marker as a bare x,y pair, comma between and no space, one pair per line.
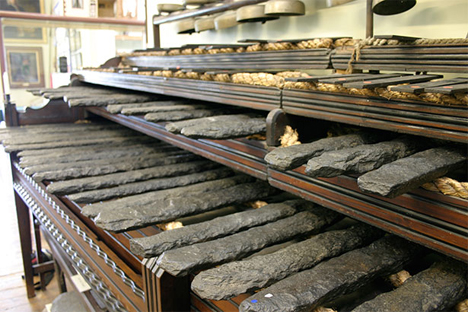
39,256
24,226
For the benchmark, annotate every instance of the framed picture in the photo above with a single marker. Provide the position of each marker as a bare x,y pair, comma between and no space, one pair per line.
25,68
23,33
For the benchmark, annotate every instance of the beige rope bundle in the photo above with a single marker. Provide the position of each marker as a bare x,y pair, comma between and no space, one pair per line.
186,52
170,226
462,306
292,74
279,46
206,77
174,52
163,73
222,78
316,43
290,137
193,75
199,51
399,278
259,79
254,48
180,74
448,186
299,85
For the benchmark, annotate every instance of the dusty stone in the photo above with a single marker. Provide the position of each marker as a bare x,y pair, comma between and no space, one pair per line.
328,280
160,109
362,158
112,99
438,288
285,158
219,127
111,153
149,185
403,175
71,173
155,245
235,278
117,108
151,197
173,208
100,162
181,115
181,261
121,178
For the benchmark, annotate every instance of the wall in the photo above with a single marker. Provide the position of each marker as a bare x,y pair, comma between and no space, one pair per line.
429,19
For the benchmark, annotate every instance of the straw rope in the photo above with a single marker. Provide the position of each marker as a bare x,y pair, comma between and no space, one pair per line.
448,186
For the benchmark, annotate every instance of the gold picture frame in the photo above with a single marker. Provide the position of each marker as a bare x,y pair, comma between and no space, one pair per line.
25,67
23,34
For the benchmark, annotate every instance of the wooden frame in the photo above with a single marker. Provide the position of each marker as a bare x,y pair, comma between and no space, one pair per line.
24,34
25,67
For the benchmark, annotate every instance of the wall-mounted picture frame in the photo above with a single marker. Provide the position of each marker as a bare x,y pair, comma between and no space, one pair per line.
23,34
25,67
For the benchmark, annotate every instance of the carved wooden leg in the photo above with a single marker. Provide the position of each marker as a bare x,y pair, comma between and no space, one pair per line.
24,226
39,257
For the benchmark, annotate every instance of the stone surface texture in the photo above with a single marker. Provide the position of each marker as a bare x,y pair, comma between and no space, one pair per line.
438,288
181,115
403,175
181,261
117,108
362,158
155,245
111,99
173,208
161,108
235,278
328,280
285,158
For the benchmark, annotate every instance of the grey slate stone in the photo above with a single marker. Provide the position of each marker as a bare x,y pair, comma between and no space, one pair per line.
403,175
173,208
149,185
160,109
181,261
111,99
181,115
100,162
235,278
219,127
328,280
69,301
438,288
117,108
285,158
151,197
121,178
362,158
225,129
155,245
111,153
71,173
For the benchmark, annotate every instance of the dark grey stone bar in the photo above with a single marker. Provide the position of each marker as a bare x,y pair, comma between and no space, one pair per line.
155,245
111,153
159,109
173,208
69,143
438,288
149,185
181,115
235,278
362,158
151,197
219,127
114,179
111,99
117,108
181,261
71,173
328,280
100,162
285,158
406,174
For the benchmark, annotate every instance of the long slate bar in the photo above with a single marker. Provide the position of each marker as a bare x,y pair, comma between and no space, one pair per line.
71,173
162,108
403,175
149,185
121,178
173,208
235,278
328,280
438,288
219,127
182,115
117,108
285,158
181,261
114,99
362,158
155,245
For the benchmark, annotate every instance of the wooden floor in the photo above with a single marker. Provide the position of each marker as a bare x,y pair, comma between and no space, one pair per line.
12,291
